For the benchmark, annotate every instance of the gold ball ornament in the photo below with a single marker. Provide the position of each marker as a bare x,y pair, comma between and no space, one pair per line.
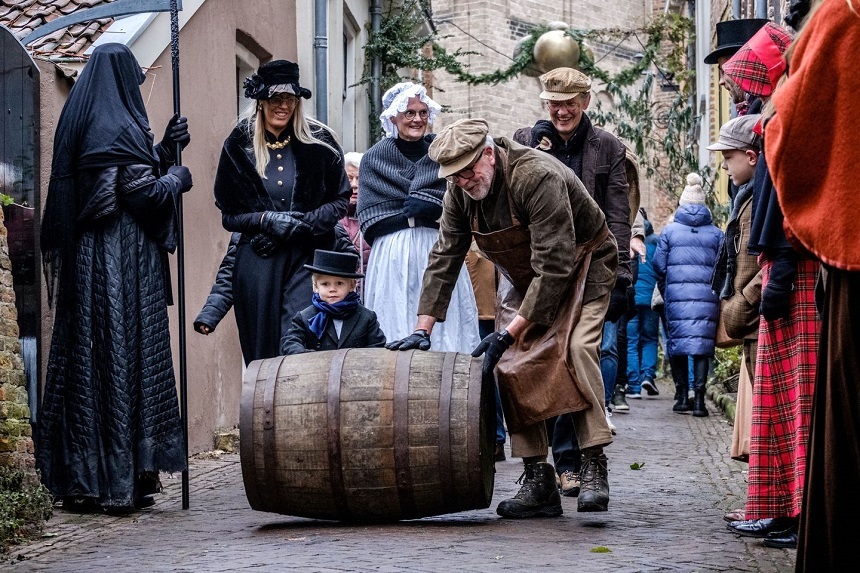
531,70
555,49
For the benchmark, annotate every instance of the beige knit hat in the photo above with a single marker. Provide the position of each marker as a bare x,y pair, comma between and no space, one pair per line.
693,193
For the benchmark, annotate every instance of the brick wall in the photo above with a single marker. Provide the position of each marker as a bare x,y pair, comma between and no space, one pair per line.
16,443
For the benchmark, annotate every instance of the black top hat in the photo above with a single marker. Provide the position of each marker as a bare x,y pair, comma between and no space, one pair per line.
282,74
335,264
731,35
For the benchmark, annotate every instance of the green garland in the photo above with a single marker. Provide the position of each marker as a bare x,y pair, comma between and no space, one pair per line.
661,134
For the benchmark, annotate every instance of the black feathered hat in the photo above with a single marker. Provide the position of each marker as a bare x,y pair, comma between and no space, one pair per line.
277,76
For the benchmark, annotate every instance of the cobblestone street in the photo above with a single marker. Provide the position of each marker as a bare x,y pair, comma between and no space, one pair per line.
666,516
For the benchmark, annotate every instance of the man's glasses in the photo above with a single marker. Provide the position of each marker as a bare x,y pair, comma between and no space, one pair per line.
280,99
411,113
467,172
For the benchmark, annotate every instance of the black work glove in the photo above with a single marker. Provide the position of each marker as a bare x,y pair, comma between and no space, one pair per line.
492,347
263,245
541,129
419,208
176,133
776,296
617,303
283,225
184,176
418,339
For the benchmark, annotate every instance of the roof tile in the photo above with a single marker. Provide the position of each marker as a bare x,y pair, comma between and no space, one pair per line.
22,16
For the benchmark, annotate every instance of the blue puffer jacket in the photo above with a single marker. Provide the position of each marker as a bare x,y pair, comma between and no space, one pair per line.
685,258
646,279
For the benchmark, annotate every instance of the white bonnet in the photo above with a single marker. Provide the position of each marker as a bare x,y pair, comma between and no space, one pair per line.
397,98
693,193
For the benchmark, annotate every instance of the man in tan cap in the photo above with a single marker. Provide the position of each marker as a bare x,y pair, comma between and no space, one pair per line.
599,160
523,209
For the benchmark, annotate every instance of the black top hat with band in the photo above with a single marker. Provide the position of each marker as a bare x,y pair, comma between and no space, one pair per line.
731,35
335,264
277,76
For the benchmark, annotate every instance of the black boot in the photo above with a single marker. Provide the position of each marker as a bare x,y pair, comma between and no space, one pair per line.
594,481
538,496
619,401
700,378
679,377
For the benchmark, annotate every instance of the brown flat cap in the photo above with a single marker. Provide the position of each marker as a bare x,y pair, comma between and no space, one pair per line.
458,144
562,84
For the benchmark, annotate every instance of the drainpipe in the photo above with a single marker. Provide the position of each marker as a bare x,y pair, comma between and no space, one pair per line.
321,58
376,63
736,9
761,8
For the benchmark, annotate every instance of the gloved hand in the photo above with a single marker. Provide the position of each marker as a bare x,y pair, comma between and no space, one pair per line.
776,296
263,245
184,176
617,303
283,225
542,129
492,347
631,302
418,208
176,132
418,339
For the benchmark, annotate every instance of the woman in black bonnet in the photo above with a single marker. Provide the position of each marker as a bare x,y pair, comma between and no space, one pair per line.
109,421
282,184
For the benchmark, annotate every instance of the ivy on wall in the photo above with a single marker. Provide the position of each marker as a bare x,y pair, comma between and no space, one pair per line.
661,130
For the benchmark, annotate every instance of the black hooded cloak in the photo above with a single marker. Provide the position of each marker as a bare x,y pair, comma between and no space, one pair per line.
110,417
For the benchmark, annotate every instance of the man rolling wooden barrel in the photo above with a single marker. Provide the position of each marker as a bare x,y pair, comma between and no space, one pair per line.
535,220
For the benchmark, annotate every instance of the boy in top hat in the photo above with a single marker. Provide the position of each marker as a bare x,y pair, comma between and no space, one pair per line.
336,317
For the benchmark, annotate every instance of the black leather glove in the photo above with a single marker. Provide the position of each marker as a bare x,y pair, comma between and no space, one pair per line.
492,347
419,208
283,225
176,133
184,176
541,129
418,339
263,245
776,296
797,11
617,303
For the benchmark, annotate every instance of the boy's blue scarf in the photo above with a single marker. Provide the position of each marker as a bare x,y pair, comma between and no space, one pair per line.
339,310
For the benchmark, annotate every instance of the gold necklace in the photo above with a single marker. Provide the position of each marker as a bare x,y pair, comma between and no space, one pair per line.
279,144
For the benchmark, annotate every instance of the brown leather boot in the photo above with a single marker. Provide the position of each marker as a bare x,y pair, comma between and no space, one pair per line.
538,496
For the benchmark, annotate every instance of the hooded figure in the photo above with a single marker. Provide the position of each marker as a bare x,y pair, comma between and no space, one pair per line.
110,417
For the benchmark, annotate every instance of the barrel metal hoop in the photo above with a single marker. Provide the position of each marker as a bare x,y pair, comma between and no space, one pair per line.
270,447
403,473
335,468
473,439
246,435
446,389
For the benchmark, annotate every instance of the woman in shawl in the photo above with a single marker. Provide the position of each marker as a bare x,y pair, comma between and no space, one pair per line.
398,208
282,184
110,417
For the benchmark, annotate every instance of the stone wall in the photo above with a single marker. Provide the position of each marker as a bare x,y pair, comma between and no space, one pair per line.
16,443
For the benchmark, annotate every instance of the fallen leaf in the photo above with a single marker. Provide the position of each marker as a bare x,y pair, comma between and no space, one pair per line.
600,549
637,465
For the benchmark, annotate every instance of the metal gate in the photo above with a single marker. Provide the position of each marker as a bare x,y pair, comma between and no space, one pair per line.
19,183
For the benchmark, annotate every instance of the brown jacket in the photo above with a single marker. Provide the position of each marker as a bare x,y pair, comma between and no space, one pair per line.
740,312
559,212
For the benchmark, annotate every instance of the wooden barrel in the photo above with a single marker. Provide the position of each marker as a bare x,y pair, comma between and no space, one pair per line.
367,434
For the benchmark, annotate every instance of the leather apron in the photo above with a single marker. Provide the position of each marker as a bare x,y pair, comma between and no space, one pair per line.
536,376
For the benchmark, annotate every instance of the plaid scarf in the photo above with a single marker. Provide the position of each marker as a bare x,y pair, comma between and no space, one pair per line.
339,310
